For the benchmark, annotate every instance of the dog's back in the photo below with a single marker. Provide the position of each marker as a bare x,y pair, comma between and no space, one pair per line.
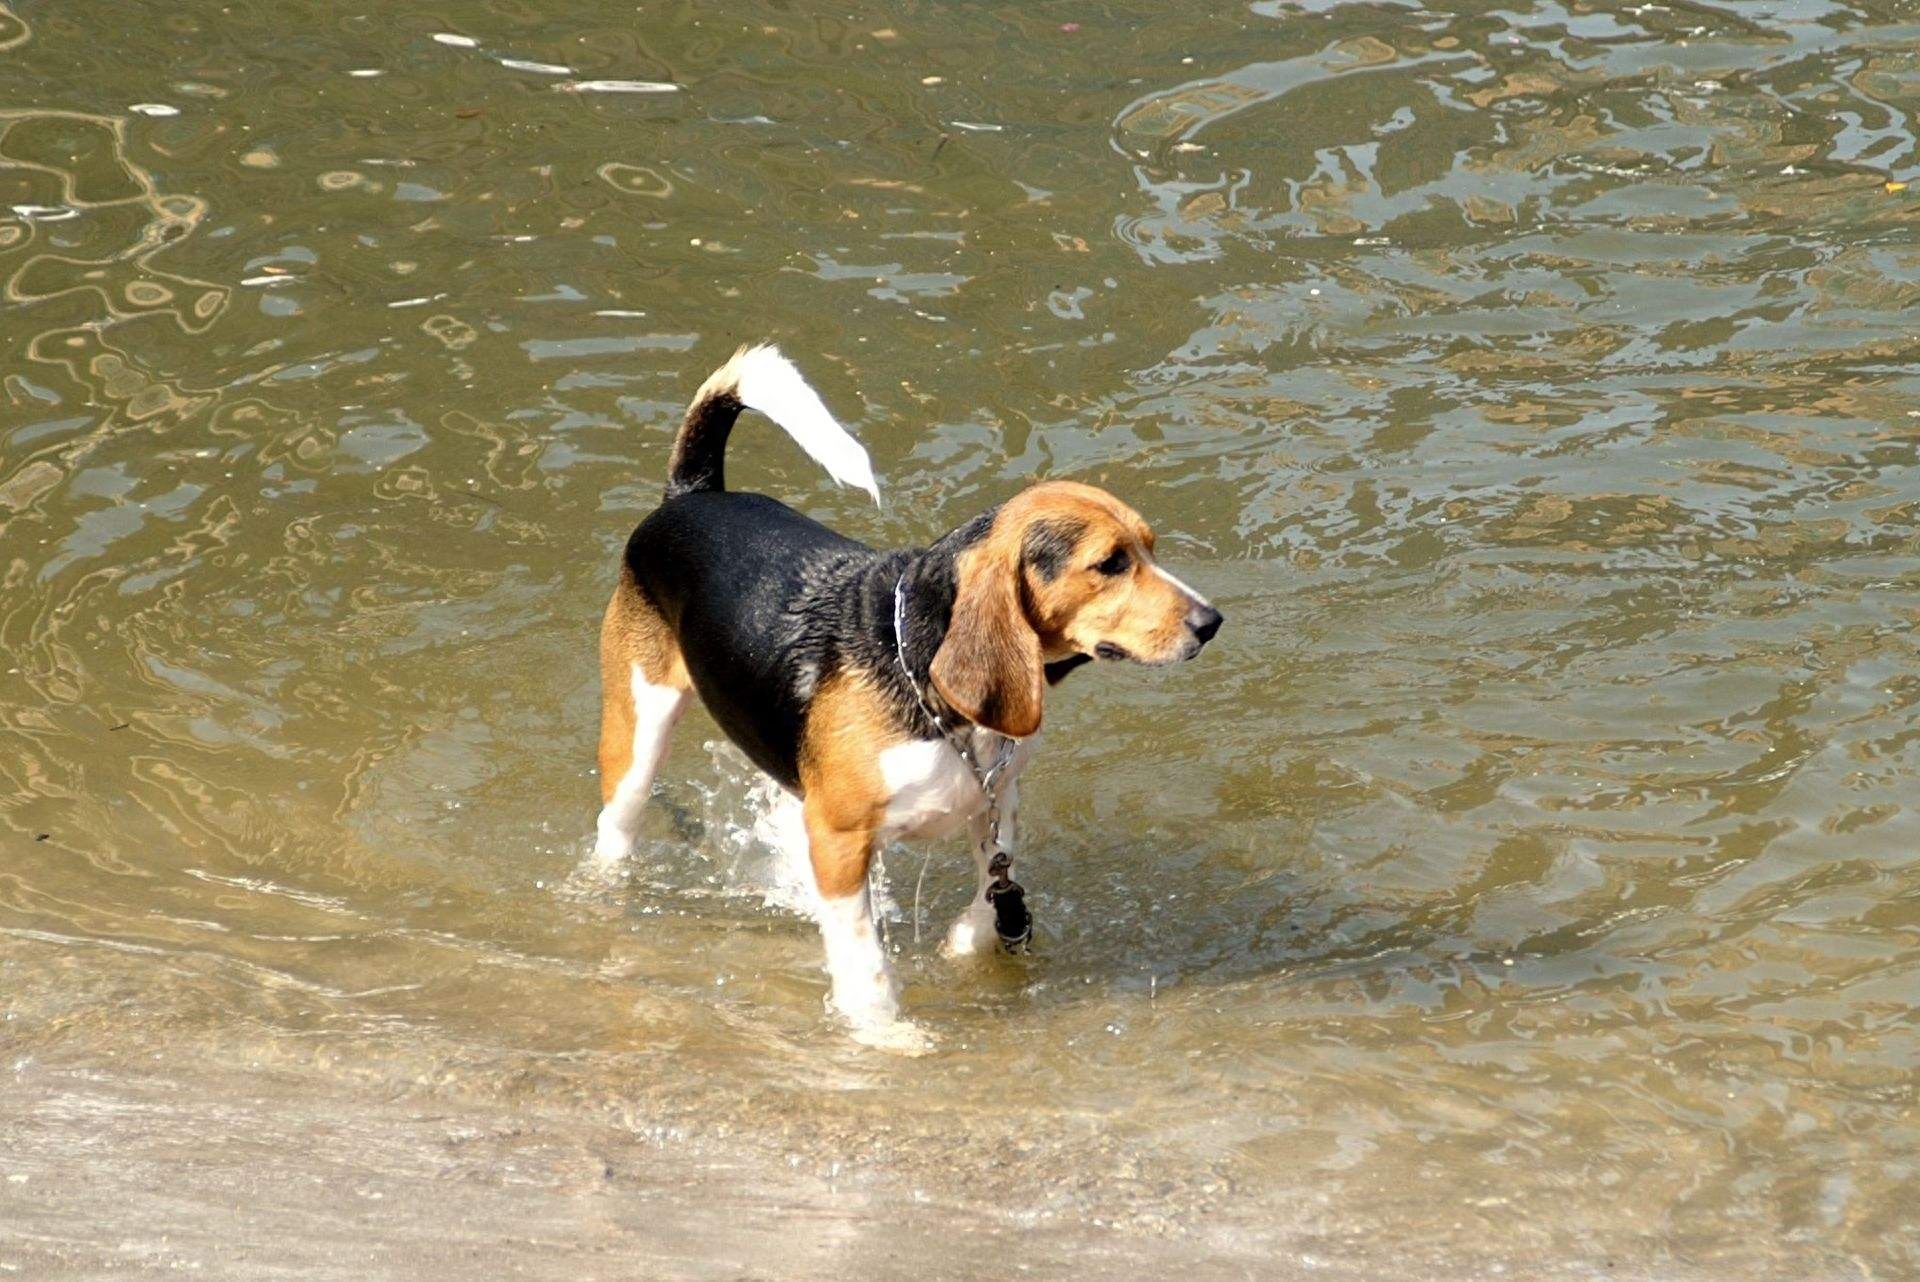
754,592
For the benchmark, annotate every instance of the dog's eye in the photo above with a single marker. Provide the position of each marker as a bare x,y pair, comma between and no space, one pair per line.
1117,563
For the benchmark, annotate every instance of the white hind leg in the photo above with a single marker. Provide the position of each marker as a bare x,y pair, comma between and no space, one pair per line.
643,690
655,710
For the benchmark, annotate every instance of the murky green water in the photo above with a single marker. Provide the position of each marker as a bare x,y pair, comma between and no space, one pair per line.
1528,880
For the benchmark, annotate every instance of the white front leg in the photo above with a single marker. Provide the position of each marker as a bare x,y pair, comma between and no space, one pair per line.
972,932
863,988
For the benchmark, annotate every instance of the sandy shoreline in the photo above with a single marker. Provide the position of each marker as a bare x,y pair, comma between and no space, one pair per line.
256,1175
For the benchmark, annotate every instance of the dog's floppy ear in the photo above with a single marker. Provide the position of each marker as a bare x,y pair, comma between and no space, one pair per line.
988,666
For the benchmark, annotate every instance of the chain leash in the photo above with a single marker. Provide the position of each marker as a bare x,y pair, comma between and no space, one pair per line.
1007,897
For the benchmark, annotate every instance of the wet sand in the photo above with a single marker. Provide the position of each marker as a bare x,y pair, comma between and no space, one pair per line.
143,1170
259,1176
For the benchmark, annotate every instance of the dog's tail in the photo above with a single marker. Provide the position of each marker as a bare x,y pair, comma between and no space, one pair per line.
760,378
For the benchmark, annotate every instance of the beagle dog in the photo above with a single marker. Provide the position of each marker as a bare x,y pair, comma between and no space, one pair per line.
872,685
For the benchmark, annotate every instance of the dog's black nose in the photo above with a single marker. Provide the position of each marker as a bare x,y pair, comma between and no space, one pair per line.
1205,622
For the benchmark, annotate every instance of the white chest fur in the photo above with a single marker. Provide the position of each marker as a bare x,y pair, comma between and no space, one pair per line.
930,790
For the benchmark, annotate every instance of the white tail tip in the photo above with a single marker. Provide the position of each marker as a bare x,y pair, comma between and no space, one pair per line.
766,381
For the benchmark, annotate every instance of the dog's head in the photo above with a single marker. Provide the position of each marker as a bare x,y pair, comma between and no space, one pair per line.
1064,570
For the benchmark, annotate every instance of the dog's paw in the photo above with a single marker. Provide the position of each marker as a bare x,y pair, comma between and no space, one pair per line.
594,877
900,1037
611,849
972,935
592,887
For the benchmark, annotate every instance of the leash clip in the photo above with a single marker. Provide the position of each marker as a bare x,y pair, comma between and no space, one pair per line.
1011,920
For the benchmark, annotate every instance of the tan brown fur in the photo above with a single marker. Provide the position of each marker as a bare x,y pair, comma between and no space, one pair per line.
989,665
1008,621
632,632
844,795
